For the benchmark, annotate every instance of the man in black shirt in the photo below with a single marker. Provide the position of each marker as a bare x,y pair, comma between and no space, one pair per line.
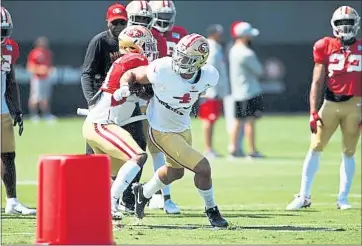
101,52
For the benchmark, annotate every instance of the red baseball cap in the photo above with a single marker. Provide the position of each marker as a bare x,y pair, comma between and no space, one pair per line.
116,11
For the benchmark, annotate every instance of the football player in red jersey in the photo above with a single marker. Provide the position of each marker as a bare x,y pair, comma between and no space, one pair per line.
338,64
103,129
140,13
164,12
11,114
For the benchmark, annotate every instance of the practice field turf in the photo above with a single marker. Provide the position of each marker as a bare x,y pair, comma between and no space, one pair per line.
252,195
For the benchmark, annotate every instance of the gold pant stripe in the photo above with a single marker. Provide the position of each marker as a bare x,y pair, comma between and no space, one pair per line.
162,150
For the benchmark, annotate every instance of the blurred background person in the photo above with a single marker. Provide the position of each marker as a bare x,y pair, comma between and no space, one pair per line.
211,103
229,112
245,72
40,67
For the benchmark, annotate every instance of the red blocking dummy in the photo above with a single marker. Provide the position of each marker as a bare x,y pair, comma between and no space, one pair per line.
74,200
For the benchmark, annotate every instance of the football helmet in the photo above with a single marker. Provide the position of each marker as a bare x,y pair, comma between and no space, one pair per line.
138,39
345,23
164,13
6,24
190,54
139,13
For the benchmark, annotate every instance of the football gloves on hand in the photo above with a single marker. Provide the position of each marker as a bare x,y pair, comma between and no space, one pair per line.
314,118
122,92
18,120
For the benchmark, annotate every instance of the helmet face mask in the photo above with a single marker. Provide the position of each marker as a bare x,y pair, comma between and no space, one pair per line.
190,54
164,13
6,24
139,13
345,23
138,39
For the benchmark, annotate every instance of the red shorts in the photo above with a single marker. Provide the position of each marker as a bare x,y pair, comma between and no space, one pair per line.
210,109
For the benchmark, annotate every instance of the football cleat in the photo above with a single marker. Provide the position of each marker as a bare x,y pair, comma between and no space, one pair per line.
215,218
156,202
141,200
116,213
171,208
18,208
299,202
125,208
343,205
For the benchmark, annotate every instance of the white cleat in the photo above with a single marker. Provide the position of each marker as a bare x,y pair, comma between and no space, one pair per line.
343,205
299,203
116,213
15,207
171,208
156,202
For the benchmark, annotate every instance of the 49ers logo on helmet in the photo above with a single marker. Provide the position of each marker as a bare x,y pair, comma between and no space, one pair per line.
135,33
203,48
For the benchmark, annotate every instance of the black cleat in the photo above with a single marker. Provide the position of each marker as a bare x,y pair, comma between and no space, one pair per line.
215,218
141,200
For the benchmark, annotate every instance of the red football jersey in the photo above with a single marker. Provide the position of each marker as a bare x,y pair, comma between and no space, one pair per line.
344,66
161,43
9,54
119,67
173,36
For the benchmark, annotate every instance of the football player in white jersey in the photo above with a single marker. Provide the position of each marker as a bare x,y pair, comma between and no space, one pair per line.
177,82
114,107
140,13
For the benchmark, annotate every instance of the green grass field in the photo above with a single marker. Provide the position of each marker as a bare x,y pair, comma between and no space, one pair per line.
252,195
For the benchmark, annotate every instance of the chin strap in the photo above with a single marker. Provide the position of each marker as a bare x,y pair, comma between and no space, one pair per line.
347,43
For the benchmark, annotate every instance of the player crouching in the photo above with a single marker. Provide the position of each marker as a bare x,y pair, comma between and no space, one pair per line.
341,58
177,83
114,106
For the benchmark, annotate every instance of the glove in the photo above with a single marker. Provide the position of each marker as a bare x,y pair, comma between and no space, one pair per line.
18,119
122,92
314,118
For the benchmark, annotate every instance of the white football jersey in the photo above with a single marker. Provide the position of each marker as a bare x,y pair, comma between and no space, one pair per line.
108,111
169,110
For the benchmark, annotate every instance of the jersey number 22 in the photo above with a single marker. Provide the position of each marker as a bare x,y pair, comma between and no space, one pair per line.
354,63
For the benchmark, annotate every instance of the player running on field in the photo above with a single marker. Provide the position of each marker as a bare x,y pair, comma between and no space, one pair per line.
338,63
102,128
178,82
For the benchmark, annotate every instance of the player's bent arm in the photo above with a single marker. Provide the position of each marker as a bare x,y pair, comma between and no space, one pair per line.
135,75
12,93
319,73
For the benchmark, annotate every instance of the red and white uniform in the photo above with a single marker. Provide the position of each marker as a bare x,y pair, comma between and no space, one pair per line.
9,55
173,36
161,43
344,66
108,110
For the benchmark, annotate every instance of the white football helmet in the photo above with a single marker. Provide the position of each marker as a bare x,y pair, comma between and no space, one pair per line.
190,54
138,39
6,24
345,23
164,12
139,12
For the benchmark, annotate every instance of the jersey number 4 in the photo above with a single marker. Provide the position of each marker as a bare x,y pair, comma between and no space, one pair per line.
186,98
339,60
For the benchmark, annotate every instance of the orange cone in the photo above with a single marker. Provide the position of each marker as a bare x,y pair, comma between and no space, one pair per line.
74,200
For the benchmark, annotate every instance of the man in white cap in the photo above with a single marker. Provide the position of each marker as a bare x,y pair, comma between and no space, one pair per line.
245,72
